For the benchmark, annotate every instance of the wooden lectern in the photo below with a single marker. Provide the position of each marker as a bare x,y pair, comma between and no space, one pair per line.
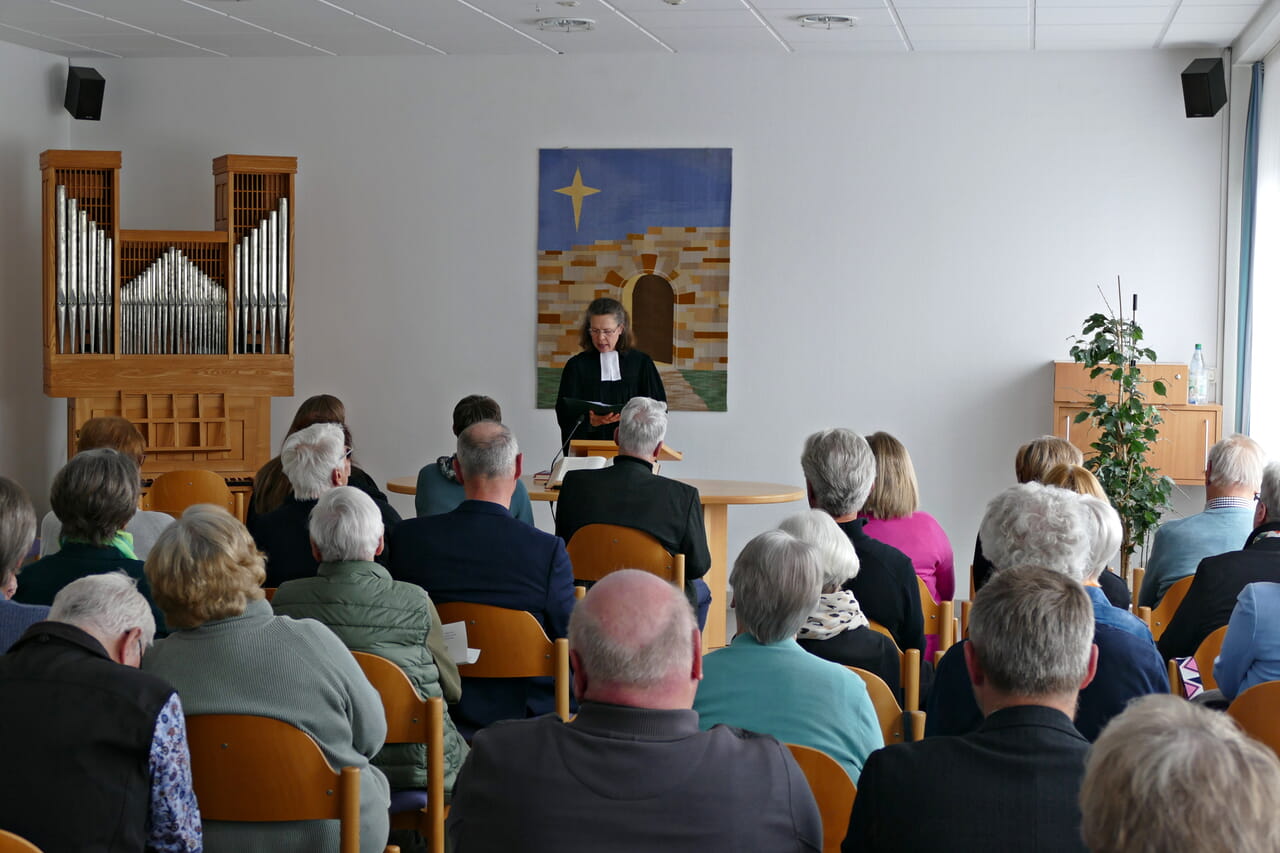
609,449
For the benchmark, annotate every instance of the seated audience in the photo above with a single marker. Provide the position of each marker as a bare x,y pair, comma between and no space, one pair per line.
764,681
893,516
630,494
1219,579
117,434
1047,527
315,459
17,532
1168,775
439,489
1079,479
1251,650
1012,783
839,470
1231,480
357,599
1032,461
230,655
631,773
480,553
271,486
95,754
837,630
94,495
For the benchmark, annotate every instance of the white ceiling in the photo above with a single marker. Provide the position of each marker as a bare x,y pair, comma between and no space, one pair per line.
84,29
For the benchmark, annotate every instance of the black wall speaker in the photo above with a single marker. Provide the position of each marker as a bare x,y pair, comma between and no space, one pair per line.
1204,88
84,93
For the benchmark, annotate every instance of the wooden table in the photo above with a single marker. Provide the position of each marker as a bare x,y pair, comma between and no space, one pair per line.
717,496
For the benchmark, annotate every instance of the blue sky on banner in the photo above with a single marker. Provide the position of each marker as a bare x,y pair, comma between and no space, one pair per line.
637,188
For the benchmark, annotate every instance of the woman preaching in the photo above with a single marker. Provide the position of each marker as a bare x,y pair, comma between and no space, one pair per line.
608,371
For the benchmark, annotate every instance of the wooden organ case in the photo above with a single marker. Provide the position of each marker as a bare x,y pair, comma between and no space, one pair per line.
188,334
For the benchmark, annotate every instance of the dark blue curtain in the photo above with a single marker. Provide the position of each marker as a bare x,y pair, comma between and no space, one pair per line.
1249,201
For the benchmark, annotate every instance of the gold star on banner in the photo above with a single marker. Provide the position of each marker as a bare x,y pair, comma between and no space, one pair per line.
577,191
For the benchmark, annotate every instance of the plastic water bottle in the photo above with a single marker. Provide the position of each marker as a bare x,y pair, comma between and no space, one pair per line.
1198,381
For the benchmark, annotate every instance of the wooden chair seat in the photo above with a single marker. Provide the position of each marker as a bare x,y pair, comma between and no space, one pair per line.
412,719
174,491
512,645
596,550
833,790
1257,710
259,769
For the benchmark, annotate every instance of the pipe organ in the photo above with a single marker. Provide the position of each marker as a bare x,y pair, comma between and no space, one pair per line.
188,334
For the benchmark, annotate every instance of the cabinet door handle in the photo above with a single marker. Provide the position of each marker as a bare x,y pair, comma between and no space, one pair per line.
1066,426
1206,443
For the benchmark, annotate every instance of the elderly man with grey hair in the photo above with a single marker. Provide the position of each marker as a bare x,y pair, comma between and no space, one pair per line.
17,532
357,599
1012,783
632,771
1219,580
315,460
839,470
764,681
1051,528
481,553
1232,477
1221,785
86,727
629,493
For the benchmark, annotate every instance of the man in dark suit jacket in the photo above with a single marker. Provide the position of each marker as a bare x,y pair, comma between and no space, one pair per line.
1013,783
315,460
480,553
629,494
839,469
1219,580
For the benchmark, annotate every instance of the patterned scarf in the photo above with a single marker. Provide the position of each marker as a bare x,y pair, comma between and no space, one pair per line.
837,612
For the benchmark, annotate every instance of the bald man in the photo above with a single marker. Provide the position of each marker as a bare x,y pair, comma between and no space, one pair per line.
632,772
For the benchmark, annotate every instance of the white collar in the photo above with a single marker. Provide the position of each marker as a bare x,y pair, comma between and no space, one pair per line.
610,370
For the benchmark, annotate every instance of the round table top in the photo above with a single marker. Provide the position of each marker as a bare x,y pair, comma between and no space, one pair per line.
710,491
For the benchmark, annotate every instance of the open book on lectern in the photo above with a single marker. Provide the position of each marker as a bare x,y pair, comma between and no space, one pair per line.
575,463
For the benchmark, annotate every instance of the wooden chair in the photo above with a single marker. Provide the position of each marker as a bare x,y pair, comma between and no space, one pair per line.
966,607
512,645
1257,710
939,619
269,592
259,769
10,843
174,491
896,725
599,549
1207,652
1157,618
412,719
832,789
1136,576
908,669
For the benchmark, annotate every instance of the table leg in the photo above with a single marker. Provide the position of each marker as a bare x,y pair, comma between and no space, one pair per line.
715,517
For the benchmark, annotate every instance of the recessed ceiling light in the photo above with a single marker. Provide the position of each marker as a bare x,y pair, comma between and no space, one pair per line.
830,22
567,25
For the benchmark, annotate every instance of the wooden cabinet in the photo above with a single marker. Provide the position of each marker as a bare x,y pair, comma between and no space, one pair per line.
1182,449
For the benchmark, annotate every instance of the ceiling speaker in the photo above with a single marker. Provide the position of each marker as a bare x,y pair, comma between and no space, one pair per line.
1204,88
84,93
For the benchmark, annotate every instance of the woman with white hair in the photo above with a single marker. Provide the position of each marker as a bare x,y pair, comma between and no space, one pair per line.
764,681
1079,479
837,630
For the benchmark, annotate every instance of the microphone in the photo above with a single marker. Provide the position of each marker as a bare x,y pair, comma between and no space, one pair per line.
564,448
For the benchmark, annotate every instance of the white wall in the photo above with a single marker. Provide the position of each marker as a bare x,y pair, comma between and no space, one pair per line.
915,237
32,426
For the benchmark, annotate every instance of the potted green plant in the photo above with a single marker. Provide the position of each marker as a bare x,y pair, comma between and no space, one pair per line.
1111,345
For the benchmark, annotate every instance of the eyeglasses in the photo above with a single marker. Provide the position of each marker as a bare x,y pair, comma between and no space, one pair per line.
346,454
605,333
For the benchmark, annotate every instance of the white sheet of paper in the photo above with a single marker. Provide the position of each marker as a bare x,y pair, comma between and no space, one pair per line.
455,642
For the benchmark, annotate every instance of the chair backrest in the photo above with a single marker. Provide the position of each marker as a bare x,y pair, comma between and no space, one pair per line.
269,592
938,617
1207,652
512,645
1163,612
598,549
10,843
908,669
1256,711
412,719
174,491
833,790
1135,575
259,769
